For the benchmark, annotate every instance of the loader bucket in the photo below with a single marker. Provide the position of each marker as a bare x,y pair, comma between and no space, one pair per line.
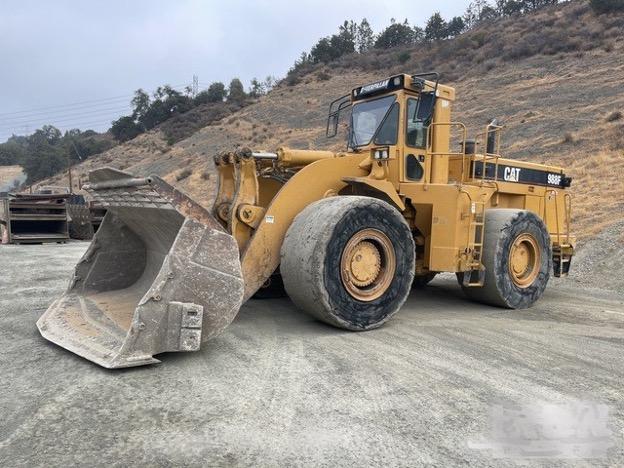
161,274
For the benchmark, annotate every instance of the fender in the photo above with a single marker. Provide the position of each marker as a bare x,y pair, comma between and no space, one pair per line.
382,187
261,255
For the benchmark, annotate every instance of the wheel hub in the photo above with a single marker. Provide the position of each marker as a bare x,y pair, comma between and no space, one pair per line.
524,260
367,265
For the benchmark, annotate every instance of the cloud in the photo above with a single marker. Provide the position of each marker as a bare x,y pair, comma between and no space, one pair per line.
71,51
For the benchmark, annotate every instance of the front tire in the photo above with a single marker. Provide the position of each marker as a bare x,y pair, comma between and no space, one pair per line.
349,261
517,256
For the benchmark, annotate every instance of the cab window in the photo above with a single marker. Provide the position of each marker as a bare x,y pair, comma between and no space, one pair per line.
366,118
416,132
387,133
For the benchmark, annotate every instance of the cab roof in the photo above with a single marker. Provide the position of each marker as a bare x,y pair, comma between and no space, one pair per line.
420,82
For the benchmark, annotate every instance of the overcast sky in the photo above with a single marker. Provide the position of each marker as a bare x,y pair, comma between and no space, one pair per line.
75,64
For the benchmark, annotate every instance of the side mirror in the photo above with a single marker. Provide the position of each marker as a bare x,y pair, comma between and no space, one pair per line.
332,125
424,110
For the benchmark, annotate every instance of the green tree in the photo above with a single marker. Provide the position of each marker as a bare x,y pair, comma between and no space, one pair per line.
419,34
259,88
397,34
44,155
81,145
436,28
215,93
455,27
488,14
140,103
166,102
256,88
473,14
335,46
344,41
236,91
269,83
364,37
125,128
11,152
323,51
510,7
304,59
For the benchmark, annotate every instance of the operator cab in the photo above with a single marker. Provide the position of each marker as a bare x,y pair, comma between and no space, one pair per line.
396,118
376,110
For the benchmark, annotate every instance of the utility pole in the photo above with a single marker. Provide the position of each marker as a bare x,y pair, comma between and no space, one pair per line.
195,85
69,173
69,165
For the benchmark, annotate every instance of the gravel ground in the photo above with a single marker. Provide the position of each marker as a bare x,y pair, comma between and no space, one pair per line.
281,389
599,260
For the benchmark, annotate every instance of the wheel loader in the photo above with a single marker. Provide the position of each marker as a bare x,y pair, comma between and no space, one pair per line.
348,234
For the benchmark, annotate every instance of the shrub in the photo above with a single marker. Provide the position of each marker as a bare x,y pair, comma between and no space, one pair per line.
613,116
568,138
403,57
183,174
490,65
323,76
606,6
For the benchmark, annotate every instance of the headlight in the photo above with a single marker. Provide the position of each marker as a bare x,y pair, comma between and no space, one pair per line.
381,154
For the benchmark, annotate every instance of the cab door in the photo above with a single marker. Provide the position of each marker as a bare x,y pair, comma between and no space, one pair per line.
416,118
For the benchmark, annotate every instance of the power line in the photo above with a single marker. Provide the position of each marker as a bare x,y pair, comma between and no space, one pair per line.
8,132
77,112
85,125
62,106
70,113
78,108
68,120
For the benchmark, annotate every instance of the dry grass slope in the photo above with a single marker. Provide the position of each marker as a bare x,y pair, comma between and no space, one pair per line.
561,101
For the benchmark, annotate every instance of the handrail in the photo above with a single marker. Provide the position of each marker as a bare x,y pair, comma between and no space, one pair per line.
464,133
483,158
496,130
470,202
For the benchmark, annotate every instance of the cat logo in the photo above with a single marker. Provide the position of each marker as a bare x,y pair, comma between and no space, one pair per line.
512,174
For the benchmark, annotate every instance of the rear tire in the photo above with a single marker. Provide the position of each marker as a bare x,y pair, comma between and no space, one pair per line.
349,261
517,256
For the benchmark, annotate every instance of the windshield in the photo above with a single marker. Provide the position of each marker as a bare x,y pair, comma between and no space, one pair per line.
366,118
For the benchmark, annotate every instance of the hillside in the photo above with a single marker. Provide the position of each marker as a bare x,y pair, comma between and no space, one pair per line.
554,78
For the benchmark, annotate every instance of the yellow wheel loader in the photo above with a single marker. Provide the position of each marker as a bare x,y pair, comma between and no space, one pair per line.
346,235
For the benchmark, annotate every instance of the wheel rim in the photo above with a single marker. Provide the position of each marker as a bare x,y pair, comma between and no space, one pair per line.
524,260
368,265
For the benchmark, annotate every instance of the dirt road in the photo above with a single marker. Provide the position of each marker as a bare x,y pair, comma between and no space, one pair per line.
280,389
